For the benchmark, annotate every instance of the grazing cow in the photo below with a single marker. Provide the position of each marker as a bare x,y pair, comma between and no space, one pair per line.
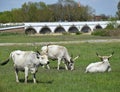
59,53
101,66
26,61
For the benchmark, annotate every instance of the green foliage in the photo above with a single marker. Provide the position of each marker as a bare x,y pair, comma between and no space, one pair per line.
40,12
118,12
100,32
110,26
65,33
78,33
107,32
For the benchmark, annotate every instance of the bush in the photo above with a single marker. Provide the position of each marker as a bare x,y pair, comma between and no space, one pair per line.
110,26
78,33
107,32
100,32
65,33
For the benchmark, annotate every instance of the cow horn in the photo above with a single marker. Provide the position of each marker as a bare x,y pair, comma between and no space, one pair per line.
47,47
76,57
111,54
38,52
98,55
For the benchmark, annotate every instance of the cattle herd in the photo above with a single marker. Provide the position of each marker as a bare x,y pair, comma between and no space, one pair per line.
29,61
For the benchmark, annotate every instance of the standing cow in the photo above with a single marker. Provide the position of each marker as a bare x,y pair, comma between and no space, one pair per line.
26,61
59,53
101,66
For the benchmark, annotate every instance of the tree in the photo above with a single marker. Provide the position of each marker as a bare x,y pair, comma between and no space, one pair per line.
118,12
69,10
6,17
64,10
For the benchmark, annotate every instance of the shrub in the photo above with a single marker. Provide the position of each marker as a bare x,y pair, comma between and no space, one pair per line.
100,32
66,33
110,26
107,32
78,33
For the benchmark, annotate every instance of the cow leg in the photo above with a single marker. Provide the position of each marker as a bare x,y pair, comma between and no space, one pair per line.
16,74
26,74
64,61
66,66
109,69
34,78
33,71
59,60
48,67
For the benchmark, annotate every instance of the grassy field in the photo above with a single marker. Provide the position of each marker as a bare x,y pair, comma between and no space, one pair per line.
22,38
63,81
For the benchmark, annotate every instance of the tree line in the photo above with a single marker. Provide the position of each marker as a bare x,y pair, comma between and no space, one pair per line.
63,10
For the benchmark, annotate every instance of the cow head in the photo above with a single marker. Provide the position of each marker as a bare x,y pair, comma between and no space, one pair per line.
42,58
104,58
71,63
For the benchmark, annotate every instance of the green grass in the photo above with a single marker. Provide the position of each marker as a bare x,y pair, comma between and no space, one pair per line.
66,81
22,38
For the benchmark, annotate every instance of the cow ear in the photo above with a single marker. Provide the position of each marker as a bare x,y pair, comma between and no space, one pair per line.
38,52
37,55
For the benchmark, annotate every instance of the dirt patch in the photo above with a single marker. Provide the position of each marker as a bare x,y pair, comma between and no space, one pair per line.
61,42
16,30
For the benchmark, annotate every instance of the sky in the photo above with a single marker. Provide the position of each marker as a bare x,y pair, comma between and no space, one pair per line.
107,7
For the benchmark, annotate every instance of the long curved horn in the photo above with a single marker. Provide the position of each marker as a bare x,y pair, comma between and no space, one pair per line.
47,48
111,54
76,57
98,55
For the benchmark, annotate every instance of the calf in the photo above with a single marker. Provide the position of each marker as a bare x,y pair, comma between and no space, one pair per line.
101,66
59,53
26,61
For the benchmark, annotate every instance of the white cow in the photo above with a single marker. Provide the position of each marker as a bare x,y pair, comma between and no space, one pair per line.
101,66
26,61
57,52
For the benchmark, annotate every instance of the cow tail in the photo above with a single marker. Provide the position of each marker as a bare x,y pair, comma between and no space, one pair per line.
5,62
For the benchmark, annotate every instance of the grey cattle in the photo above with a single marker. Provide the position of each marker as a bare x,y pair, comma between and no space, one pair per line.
101,66
59,53
26,61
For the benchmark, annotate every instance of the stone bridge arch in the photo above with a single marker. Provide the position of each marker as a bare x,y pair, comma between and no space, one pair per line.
73,29
85,29
30,30
59,29
45,30
98,26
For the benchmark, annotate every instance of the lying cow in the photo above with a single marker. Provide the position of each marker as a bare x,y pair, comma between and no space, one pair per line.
59,53
101,66
26,61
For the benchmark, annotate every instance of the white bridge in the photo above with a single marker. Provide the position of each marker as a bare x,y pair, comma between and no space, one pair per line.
60,27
